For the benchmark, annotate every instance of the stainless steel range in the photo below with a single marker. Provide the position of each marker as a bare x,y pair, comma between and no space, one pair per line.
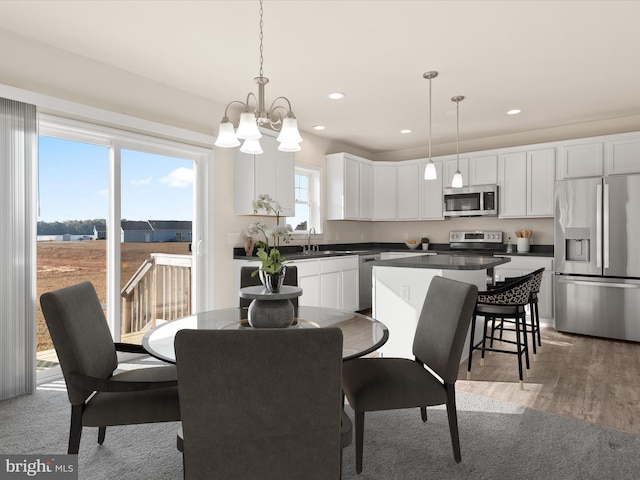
475,243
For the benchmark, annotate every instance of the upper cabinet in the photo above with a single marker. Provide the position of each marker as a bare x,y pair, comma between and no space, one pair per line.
431,203
483,170
385,190
450,166
349,181
526,182
409,179
272,172
595,157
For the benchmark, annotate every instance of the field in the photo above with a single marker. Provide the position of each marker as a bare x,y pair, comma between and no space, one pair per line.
61,264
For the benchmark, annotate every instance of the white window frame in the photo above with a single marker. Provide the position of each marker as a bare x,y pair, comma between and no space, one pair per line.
117,140
315,210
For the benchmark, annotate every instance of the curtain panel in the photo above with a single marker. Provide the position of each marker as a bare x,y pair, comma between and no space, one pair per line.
18,219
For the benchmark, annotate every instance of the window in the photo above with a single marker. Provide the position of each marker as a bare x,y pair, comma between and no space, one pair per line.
307,195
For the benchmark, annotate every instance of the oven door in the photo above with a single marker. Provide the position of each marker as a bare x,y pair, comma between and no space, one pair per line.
462,204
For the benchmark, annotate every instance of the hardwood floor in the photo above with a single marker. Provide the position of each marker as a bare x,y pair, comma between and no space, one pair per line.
586,378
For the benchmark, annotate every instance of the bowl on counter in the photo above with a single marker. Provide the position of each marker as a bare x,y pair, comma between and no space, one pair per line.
412,246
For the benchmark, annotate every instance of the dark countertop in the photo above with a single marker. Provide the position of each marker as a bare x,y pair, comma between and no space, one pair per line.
444,262
294,252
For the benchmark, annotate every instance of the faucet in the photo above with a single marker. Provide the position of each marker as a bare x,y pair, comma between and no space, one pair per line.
308,250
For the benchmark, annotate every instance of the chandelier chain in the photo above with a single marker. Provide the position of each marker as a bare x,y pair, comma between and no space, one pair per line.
261,56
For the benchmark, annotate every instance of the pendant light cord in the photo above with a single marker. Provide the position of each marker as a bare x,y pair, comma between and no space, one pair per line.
261,36
458,135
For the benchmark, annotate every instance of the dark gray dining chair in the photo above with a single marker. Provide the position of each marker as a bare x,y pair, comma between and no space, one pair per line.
87,355
373,384
246,280
260,403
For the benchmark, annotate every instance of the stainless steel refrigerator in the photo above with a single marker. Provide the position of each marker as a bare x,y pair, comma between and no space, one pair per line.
597,256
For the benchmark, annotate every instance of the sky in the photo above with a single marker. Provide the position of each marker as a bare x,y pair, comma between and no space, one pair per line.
74,182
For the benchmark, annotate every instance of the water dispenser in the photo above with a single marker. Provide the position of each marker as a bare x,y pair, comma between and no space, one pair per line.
578,242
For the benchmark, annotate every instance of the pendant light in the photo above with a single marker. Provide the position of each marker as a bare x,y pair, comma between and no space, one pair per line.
430,172
457,177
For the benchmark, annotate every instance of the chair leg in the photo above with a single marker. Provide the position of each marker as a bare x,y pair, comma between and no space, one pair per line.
101,433
453,421
471,345
75,430
519,351
535,305
359,439
533,330
423,413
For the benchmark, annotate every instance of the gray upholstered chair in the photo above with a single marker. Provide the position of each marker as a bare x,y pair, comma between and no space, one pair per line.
373,384
246,280
88,359
260,403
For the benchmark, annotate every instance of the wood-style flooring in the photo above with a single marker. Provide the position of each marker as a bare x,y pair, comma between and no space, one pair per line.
589,379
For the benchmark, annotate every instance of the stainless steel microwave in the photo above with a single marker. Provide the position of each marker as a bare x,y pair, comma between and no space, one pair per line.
481,200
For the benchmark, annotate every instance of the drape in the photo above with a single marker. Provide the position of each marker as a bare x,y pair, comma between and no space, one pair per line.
18,194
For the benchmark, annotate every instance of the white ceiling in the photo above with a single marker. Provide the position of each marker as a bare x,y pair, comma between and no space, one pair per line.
560,62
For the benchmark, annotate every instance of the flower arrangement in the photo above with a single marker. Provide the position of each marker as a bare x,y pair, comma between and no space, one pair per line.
272,262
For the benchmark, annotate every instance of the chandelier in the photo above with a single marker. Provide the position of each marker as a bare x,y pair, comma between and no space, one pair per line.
278,117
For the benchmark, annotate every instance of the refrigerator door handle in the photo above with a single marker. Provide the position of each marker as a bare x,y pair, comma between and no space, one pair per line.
599,226
605,226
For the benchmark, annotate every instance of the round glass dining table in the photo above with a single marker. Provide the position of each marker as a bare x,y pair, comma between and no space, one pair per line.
361,334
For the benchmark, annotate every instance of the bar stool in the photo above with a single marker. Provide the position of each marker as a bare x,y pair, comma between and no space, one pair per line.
507,304
533,306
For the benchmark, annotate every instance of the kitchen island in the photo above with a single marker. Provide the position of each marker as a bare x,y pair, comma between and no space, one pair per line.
400,287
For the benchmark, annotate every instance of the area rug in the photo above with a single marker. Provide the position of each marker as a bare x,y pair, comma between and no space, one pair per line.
498,440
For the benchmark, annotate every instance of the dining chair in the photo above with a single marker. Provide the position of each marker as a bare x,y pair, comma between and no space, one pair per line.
87,355
260,403
246,280
373,384
504,305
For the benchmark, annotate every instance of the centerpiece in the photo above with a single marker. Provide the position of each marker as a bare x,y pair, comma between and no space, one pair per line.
273,268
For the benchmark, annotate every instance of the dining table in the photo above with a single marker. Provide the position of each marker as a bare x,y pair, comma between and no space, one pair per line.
362,334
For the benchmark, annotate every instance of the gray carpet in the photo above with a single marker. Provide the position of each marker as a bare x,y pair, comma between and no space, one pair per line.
498,440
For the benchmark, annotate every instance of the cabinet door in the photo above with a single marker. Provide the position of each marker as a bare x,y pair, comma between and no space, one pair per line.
408,191
350,290
310,290
483,170
581,160
351,188
450,167
431,194
384,192
366,179
330,290
512,181
285,182
624,157
540,182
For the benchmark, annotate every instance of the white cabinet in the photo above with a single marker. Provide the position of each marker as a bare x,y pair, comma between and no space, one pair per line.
409,178
450,165
309,281
526,182
581,159
431,194
385,190
483,170
623,156
519,266
540,182
349,181
272,172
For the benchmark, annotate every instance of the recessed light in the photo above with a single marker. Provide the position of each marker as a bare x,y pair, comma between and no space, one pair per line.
406,130
515,111
319,127
336,95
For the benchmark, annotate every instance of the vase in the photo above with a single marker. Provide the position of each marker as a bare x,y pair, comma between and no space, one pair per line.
248,246
273,281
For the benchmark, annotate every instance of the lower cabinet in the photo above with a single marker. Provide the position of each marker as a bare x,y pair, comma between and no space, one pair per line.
519,266
325,282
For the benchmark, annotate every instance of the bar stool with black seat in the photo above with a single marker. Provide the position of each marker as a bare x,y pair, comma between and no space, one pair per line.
534,313
500,306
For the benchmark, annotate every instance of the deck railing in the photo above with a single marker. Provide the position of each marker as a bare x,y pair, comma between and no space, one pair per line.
160,290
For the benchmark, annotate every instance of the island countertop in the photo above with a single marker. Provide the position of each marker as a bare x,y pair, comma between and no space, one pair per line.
444,262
